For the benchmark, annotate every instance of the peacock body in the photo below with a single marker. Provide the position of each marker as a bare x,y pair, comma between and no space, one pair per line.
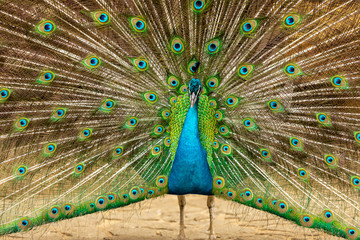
108,103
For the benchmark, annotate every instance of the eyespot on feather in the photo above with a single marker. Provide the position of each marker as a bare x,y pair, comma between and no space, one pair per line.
265,154
245,71
24,223
327,215
138,24
131,123
281,206
226,149
162,181
91,62
140,64
68,209
306,220
58,114
117,152
79,168
339,82
248,27
352,233
101,202
296,143
21,123
49,149
303,174
54,212
198,5
275,106
84,134
291,20
177,45
173,82
45,77
20,171
45,27
292,70
101,17
4,94
156,150
218,183
232,101
213,46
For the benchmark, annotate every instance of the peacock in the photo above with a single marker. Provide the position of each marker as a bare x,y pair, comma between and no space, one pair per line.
108,103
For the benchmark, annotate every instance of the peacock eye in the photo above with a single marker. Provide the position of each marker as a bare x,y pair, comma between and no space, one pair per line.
339,82
193,66
45,77
101,17
158,130
21,124
249,26
292,70
303,174
275,106
291,20
131,123
49,149
173,82
150,97
107,105
4,94
232,101
156,150
177,45
355,182
45,27
330,160
138,24
296,143
140,64
21,171
226,149
198,5
213,46
323,119
60,112
85,134
245,71
213,82
79,168
92,62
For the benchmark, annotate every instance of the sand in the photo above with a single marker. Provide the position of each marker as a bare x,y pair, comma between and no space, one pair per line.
159,219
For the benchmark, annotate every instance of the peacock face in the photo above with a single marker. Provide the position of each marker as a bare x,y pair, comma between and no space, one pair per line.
194,90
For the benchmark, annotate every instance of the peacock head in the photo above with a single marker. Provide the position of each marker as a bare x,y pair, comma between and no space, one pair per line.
194,90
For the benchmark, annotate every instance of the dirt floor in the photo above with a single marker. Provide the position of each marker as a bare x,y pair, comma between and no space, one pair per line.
159,219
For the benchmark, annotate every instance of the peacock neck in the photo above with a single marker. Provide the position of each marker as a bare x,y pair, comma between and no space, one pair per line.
190,173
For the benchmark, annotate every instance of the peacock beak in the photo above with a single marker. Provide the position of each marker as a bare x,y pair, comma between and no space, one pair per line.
194,96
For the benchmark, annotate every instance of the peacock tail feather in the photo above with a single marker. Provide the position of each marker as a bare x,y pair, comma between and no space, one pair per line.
94,96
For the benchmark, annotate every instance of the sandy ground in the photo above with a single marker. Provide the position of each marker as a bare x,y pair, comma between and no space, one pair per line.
159,219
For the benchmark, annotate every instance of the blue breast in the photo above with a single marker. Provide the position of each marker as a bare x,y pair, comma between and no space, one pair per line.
190,173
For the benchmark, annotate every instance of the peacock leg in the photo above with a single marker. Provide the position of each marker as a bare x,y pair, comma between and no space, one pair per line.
182,202
211,205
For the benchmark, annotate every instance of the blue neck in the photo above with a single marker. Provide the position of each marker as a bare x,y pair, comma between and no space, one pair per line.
190,171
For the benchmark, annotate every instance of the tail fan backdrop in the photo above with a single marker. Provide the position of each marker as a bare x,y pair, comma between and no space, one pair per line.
95,103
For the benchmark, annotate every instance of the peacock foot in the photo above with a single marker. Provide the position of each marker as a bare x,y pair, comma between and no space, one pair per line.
212,237
181,236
